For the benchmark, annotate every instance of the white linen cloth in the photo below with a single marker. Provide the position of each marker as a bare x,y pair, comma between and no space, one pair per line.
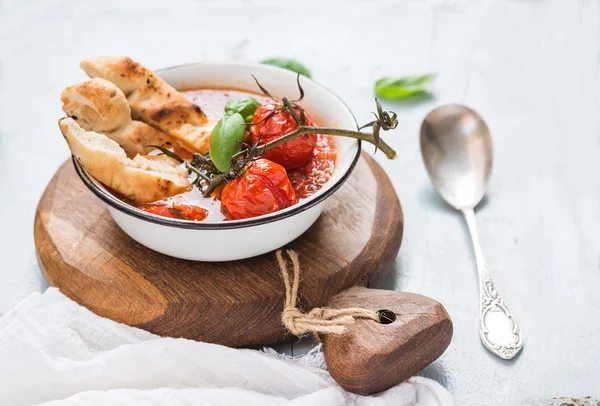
55,352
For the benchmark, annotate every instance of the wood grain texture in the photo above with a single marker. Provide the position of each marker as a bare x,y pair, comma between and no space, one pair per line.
370,357
84,253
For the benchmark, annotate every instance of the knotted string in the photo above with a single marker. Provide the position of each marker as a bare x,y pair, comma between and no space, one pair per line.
320,320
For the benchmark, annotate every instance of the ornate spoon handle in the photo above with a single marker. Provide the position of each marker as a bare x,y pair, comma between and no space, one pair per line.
498,329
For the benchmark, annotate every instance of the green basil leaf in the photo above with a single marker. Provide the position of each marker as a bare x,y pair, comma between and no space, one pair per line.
246,107
395,88
289,64
225,140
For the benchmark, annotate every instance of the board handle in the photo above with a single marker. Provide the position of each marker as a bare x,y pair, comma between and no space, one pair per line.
370,357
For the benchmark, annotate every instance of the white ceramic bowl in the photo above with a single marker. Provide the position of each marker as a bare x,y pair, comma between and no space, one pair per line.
238,239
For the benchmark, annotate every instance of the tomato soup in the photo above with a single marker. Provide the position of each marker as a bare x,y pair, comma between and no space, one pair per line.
306,178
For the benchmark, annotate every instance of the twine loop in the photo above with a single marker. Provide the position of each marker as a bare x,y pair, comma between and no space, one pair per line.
320,320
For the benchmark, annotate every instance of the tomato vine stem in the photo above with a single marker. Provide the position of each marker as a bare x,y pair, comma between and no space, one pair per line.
242,158
359,135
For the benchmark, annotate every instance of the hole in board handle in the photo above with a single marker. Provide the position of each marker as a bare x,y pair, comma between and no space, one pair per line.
386,316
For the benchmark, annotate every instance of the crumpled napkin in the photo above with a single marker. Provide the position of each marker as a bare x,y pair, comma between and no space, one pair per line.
55,352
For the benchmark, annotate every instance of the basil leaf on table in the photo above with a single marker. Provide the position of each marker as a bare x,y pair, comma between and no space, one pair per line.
226,140
395,88
289,64
246,107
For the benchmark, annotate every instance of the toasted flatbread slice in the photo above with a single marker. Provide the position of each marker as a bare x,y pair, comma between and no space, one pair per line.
98,105
143,179
154,101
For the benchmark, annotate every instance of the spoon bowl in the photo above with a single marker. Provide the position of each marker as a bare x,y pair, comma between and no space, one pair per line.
457,152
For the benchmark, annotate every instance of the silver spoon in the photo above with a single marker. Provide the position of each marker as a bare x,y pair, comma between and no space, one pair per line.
457,151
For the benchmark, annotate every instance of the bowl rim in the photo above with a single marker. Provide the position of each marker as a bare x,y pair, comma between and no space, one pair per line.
125,208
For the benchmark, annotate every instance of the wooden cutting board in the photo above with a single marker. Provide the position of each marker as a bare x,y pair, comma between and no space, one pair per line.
84,253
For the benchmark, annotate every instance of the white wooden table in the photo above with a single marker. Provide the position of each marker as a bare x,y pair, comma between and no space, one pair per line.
531,68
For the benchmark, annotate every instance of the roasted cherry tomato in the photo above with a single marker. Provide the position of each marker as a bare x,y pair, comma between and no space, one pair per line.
190,211
294,152
160,211
263,188
179,211
307,179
